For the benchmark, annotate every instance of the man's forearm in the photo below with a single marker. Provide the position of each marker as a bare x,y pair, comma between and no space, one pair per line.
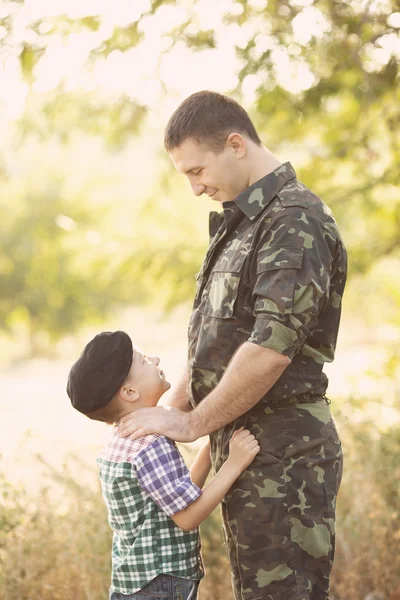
250,375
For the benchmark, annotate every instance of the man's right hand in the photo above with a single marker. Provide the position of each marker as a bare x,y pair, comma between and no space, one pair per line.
243,447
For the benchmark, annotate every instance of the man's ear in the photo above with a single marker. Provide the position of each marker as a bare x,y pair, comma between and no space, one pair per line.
238,144
128,393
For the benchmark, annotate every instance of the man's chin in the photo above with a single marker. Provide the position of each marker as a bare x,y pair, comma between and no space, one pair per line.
221,198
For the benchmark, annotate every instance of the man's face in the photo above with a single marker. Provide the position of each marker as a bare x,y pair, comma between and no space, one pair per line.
220,176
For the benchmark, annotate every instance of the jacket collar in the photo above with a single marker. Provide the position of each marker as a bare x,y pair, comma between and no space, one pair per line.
256,197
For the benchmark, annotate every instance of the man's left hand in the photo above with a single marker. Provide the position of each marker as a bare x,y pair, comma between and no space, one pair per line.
171,422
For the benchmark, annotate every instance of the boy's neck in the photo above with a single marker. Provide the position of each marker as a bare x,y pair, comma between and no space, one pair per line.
132,408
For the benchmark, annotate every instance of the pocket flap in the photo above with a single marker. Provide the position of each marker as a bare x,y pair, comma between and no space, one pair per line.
219,299
273,258
230,262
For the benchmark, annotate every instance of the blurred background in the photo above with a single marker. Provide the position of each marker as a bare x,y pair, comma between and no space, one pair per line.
98,232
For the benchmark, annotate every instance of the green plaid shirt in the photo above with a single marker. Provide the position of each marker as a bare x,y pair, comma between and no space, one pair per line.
144,482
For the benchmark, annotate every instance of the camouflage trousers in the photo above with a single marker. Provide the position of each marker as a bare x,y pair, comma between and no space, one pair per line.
279,516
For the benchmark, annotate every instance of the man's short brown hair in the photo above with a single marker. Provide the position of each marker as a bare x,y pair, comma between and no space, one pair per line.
208,117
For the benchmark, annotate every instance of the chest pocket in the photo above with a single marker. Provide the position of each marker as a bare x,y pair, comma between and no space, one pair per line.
221,291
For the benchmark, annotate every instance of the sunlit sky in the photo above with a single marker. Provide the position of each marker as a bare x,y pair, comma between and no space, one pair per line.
141,71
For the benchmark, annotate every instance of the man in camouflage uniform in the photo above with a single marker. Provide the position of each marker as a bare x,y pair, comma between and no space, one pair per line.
265,320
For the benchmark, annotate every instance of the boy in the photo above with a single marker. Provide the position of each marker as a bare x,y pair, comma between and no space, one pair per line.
154,502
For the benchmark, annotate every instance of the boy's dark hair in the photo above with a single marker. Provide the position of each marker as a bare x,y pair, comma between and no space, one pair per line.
208,117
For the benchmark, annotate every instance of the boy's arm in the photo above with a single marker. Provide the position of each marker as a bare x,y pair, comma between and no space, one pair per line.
201,465
189,518
242,449
164,477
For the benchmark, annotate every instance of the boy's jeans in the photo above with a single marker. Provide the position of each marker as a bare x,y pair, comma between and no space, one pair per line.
163,587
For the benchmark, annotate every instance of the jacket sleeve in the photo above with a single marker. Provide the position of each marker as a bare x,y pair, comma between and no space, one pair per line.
293,263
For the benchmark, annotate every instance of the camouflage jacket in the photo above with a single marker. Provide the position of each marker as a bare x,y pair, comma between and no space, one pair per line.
273,275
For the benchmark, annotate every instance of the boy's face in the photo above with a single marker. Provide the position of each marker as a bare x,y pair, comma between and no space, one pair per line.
147,378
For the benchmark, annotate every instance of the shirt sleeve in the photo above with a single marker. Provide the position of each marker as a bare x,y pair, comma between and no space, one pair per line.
293,266
164,476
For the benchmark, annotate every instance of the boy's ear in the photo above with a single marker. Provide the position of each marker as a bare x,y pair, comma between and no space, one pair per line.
128,393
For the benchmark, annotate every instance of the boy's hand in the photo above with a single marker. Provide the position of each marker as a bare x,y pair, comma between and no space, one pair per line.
243,447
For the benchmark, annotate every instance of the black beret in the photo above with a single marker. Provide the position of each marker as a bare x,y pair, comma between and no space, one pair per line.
100,371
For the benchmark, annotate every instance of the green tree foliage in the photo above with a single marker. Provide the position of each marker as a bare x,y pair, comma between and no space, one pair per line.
345,114
55,277
321,81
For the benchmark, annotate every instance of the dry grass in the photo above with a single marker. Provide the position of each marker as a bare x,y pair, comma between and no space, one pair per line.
56,545
368,545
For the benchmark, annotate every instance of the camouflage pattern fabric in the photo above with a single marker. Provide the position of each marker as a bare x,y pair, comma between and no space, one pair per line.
274,275
279,516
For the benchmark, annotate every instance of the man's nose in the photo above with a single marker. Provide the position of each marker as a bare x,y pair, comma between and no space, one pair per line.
154,359
198,189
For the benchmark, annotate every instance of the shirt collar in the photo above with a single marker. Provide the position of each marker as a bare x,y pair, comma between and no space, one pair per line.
230,215
215,220
256,197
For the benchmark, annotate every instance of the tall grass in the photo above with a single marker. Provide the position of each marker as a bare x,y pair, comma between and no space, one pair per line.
55,544
368,524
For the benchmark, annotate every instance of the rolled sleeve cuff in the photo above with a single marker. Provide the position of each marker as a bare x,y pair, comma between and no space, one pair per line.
285,336
164,476
189,492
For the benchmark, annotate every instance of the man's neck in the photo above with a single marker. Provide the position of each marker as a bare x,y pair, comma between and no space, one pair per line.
262,163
